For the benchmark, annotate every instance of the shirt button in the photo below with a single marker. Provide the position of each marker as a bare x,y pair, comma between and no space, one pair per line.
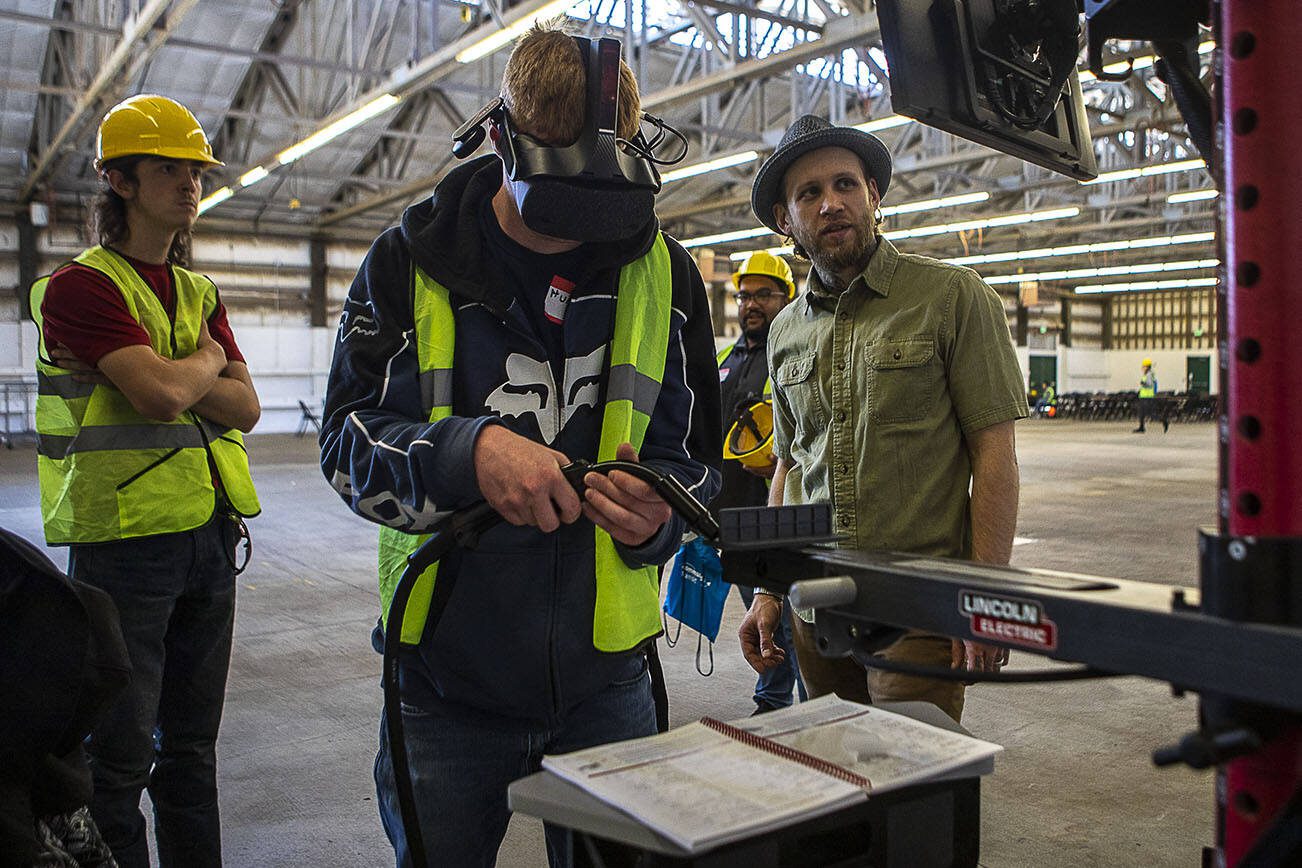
840,415
840,366
843,316
896,356
843,520
842,469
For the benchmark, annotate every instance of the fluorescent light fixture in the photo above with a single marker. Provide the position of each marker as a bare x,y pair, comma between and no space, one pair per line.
1105,271
215,198
883,123
917,231
1191,196
338,128
724,237
498,38
253,176
933,204
1148,171
1142,62
1080,249
1144,285
710,166
987,223
772,251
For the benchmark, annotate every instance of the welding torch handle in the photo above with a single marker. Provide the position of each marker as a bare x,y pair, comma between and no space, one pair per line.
675,494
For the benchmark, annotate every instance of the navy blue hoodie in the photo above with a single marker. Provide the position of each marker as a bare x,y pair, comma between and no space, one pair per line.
516,639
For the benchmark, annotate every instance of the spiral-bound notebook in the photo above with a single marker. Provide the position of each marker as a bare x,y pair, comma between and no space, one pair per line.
709,783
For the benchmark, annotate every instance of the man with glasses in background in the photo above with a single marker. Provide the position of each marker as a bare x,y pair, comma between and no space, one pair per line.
763,286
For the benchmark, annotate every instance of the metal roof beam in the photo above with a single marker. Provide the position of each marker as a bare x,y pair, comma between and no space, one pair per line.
839,33
721,6
192,44
836,38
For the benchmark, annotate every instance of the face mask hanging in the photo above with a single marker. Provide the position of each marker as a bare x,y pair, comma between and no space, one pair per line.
695,595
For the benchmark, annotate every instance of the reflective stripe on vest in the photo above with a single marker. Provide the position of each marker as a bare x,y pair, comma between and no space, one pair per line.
435,341
627,599
109,473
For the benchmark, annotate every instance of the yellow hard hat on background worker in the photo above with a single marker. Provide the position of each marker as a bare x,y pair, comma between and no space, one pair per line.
768,265
155,126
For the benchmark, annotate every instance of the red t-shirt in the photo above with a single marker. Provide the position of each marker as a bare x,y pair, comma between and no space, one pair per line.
85,312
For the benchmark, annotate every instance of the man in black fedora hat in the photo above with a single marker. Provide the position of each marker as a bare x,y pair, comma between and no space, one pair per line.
895,388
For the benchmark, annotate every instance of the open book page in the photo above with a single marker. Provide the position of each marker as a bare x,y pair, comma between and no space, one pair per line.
700,788
888,749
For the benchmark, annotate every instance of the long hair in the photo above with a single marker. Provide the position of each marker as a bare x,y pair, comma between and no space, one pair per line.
108,213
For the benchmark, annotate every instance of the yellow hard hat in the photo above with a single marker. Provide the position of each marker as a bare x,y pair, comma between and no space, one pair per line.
154,126
1147,363
762,262
750,439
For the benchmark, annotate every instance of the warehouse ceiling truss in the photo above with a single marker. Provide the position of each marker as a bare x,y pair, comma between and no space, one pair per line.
334,115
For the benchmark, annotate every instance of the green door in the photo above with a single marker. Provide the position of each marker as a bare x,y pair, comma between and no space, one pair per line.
1198,374
1044,369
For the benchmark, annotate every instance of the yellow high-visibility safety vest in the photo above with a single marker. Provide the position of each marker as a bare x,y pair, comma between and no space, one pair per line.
109,473
627,607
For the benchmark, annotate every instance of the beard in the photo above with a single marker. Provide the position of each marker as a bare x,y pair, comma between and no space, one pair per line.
833,257
755,331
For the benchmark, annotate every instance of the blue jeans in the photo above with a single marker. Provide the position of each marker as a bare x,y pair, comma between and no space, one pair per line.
176,597
773,689
461,765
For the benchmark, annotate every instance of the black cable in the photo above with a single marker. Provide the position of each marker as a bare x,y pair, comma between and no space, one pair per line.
942,673
640,146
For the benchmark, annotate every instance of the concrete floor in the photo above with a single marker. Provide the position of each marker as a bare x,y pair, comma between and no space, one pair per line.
1074,787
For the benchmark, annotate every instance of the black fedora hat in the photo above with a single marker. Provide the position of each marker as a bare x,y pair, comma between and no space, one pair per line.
809,133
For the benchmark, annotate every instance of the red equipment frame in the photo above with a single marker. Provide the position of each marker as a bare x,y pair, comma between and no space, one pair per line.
1261,496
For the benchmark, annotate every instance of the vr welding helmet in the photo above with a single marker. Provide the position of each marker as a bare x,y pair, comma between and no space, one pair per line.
600,188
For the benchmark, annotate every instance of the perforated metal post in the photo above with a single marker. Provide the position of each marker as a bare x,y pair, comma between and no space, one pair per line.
1261,212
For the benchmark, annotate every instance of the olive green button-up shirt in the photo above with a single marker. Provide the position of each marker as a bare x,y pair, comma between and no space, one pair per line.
875,390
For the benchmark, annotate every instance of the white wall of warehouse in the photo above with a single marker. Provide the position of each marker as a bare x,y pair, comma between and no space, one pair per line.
1095,370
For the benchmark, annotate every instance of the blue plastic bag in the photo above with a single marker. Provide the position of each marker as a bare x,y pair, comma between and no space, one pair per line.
695,595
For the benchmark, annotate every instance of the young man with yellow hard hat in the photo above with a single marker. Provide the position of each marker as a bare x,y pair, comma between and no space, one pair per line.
763,286
143,394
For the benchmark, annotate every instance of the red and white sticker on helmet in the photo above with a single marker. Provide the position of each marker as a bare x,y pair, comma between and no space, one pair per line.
1011,620
558,299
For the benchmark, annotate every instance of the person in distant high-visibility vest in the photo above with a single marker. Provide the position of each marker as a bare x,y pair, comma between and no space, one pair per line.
763,285
479,351
1147,398
142,398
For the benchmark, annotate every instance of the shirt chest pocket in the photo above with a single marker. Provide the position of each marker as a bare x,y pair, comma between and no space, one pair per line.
904,374
796,379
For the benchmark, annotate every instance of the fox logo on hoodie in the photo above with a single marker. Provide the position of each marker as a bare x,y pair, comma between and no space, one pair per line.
530,388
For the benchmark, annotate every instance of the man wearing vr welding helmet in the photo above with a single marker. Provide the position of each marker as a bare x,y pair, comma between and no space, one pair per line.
482,348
